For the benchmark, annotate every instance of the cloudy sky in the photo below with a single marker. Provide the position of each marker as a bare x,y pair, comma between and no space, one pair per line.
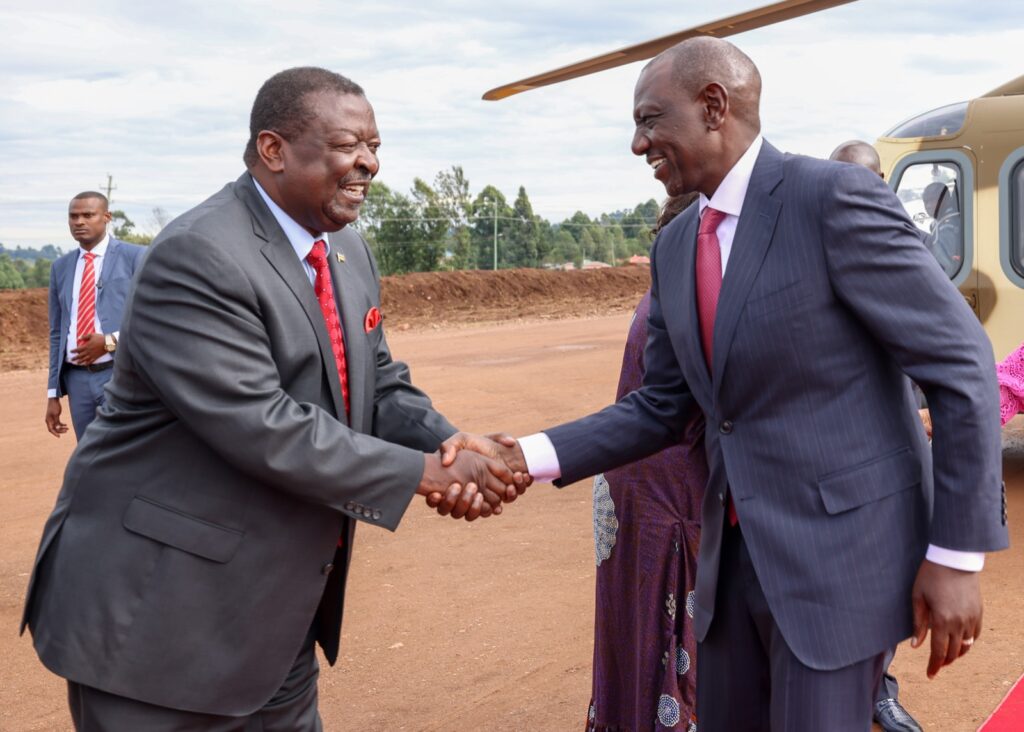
158,94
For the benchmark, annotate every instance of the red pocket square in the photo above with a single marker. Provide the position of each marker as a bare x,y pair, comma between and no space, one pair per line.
373,318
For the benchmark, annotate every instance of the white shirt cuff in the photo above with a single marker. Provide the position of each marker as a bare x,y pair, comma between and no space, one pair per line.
51,393
541,458
964,561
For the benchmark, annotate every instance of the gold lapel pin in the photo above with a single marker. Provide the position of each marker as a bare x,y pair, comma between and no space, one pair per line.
340,256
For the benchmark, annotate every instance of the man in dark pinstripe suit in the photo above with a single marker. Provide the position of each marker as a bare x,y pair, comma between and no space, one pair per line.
838,549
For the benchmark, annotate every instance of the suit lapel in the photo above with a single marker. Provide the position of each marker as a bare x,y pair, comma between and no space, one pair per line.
347,288
750,245
279,253
67,288
112,255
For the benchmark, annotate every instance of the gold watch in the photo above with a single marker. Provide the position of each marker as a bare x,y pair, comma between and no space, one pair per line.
109,343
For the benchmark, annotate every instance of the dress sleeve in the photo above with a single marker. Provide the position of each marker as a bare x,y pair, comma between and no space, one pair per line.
1010,373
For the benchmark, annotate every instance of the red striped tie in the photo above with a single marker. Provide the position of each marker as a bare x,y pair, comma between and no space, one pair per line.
709,285
87,300
317,257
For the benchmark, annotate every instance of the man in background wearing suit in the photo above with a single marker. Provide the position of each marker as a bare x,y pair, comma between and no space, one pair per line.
201,540
88,289
820,546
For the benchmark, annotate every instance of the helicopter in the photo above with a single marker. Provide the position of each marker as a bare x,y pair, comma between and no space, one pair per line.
958,170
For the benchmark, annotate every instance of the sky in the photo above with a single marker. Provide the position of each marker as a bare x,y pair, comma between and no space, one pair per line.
158,94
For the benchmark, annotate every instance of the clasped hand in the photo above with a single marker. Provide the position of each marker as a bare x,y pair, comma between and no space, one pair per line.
472,475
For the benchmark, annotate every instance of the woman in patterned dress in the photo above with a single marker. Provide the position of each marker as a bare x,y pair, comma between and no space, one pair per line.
646,535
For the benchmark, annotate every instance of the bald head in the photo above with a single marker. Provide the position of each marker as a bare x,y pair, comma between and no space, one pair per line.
695,107
697,62
858,152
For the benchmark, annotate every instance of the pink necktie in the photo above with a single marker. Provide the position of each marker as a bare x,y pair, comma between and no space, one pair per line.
325,296
87,300
709,285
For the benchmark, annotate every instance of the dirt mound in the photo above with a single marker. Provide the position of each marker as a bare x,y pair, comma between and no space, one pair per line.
426,299
448,298
24,329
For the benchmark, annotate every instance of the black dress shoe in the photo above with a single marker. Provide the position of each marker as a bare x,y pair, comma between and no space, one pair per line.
894,718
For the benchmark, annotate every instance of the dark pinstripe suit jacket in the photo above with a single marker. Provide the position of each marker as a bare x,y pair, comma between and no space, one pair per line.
828,302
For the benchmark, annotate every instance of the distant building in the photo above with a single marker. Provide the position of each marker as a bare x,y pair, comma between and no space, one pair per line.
588,264
638,259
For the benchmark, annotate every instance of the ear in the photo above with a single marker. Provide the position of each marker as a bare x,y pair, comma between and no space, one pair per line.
106,216
714,101
270,147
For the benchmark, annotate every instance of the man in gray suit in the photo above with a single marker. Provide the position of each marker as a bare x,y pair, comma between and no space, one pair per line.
202,537
88,290
819,548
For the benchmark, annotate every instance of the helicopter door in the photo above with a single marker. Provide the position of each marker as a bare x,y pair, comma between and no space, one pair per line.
937,190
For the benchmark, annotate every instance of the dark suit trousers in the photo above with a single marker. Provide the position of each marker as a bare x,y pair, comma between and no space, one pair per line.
748,680
292,709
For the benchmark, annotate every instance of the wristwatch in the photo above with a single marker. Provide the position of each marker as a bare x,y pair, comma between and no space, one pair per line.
109,343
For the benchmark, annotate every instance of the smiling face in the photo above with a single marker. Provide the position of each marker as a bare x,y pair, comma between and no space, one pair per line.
671,132
324,173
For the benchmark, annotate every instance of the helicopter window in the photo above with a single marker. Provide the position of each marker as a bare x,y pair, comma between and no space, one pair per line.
942,121
931,194
1016,217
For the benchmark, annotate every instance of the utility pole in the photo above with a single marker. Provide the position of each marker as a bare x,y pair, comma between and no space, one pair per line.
110,188
495,202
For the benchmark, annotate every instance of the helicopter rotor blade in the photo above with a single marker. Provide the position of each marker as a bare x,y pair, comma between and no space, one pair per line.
749,20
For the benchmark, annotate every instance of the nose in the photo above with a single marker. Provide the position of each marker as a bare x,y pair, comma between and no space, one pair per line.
640,143
367,160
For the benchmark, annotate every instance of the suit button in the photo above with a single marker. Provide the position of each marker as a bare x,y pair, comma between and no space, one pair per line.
326,569
349,506
721,498
725,428
376,515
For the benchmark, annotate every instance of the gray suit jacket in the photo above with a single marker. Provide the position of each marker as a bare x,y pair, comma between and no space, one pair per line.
193,541
829,298
122,259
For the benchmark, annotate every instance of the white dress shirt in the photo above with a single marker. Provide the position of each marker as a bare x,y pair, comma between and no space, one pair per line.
540,455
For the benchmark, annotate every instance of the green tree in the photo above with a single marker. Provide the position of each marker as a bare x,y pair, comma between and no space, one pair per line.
488,202
523,236
10,277
452,197
40,273
565,248
124,229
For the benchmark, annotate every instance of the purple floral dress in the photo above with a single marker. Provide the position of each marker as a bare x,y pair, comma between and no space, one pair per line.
646,535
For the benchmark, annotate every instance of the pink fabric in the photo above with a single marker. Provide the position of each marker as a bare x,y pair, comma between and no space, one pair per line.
1011,385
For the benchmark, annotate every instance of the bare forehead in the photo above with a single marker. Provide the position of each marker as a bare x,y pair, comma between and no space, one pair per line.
336,113
654,87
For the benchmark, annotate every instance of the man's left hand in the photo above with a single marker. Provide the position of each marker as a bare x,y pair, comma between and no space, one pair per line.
948,601
89,349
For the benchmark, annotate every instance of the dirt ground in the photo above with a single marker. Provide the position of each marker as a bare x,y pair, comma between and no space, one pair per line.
484,626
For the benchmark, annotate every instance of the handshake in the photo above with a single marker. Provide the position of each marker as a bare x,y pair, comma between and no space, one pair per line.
472,475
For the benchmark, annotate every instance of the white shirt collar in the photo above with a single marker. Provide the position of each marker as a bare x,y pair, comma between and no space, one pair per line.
301,240
99,250
733,189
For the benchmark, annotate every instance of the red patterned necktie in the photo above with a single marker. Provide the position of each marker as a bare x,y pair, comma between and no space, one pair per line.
709,277
325,296
709,285
87,299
